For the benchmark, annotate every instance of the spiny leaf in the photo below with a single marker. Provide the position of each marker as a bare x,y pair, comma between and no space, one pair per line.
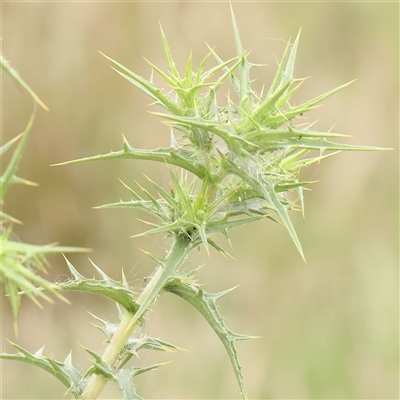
239,47
279,73
4,216
205,303
10,171
173,227
289,70
15,75
108,328
322,145
264,136
146,86
234,80
19,266
178,157
321,97
65,372
269,103
168,79
172,68
7,145
106,286
183,197
282,211
218,248
123,378
134,344
227,223
281,118
267,191
218,67
233,141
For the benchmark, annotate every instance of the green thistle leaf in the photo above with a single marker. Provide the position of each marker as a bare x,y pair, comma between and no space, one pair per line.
17,78
205,303
19,267
8,176
107,287
65,372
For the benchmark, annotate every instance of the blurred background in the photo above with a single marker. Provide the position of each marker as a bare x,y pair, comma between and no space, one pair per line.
329,328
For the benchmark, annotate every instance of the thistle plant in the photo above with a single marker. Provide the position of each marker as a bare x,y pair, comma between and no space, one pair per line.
230,164
22,263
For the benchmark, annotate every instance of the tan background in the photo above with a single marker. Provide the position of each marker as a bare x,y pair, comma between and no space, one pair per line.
329,327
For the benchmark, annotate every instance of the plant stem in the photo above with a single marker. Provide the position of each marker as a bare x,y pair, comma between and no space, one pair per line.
163,273
97,382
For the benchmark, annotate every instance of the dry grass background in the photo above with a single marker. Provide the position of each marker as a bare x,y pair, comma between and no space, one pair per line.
329,327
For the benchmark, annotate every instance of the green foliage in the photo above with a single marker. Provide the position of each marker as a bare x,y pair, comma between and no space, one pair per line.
20,262
206,304
246,155
114,290
123,378
239,162
15,75
75,382
65,372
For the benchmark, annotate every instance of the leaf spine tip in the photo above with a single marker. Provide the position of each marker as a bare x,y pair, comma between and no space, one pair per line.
100,271
137,235
124,281
73,270
62,298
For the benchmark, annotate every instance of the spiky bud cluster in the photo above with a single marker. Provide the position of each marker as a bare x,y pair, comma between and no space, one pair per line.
246,155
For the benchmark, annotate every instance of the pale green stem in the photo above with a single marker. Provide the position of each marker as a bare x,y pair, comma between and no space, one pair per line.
164,272
97,382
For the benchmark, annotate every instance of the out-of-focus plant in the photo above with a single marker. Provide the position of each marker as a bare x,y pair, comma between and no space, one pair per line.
233,163
21,263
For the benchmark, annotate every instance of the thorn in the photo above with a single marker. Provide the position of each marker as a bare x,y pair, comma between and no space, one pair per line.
29,183
147,177
102,273
178,348
313,123
330,129
64,299
16,221
12,343
74,271
140,187
124,281
123,184
229,255
138,235
94,316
